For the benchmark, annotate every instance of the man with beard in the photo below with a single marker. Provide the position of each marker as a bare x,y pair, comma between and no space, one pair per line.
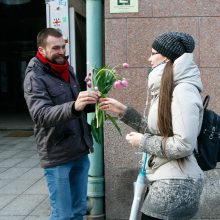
63,137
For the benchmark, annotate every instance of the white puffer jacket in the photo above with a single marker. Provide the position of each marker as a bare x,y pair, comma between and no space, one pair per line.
187,114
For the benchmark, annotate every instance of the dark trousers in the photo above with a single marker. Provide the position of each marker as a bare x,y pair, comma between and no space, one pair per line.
146,217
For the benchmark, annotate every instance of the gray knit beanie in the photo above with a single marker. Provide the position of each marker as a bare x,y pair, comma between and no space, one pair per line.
174,44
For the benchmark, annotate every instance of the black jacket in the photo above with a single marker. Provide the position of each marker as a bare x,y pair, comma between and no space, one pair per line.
61,133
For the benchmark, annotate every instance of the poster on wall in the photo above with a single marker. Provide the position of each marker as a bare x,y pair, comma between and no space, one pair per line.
58,17
62,17
123,6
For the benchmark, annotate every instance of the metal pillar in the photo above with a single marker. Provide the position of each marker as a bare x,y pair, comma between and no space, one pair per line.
94,59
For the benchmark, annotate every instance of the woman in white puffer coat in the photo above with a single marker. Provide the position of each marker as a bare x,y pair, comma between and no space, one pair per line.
169,132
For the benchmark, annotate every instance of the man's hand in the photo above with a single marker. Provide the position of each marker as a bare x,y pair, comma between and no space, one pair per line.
85,98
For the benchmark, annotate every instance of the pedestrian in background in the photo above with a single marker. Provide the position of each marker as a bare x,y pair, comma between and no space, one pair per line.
169,132
63,136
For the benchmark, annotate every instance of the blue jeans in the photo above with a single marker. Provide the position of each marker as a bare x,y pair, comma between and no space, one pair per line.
67,186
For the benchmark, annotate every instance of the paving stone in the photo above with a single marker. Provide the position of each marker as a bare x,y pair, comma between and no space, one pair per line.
25,154
3,141
13,141
10,162
2,169
5,199
17,187
34,173
26,145
8,147
12,217
42,210
31,217
22,205
38,187
30,141
8,153
30,162
13,173
4,182
36,156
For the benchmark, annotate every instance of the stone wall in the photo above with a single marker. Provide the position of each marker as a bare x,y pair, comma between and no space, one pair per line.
128,38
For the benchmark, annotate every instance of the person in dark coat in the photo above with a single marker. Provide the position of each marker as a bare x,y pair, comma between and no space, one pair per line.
57,108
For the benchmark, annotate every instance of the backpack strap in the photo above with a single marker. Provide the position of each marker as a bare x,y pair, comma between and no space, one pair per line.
206,101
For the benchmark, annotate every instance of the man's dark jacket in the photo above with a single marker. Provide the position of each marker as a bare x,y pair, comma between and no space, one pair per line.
62,134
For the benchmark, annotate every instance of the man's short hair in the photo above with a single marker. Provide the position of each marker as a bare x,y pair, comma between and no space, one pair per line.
43,35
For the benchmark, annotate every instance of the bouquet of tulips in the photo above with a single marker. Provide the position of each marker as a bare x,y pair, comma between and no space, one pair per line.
103,79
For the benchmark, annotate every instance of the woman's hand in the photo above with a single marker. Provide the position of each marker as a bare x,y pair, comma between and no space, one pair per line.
134,138
112,105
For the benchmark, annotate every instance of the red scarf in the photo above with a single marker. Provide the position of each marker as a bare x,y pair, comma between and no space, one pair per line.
60,70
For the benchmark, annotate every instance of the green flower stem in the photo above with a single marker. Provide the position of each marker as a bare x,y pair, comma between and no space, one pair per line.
96,113
103,79
103,115
104,69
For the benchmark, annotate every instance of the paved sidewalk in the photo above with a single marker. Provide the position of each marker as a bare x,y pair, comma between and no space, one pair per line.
23,193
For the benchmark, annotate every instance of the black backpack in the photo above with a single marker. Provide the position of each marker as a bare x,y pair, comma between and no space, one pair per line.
208,153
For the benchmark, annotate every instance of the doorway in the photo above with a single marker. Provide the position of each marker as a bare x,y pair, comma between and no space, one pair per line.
20,24
80,30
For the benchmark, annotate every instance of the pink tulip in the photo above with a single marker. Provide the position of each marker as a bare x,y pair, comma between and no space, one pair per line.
89,84
117,84
86,79
90,73
124,83
125,65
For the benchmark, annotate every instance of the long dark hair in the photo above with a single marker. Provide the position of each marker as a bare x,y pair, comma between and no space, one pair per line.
164,122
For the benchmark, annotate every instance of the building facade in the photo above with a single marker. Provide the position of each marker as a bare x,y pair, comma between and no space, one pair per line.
128,38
